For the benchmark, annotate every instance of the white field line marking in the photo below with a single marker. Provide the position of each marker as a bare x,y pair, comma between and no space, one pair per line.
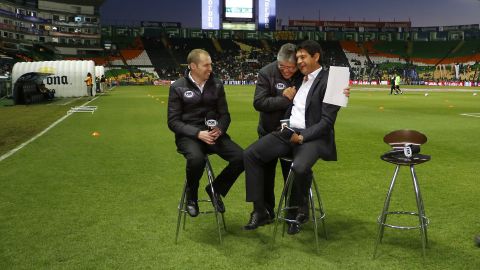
13,151
380,89
471,114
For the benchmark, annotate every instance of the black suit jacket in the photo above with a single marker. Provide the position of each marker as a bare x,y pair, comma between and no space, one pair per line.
320,119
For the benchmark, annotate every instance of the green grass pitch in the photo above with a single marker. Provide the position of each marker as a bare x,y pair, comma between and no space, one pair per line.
70,200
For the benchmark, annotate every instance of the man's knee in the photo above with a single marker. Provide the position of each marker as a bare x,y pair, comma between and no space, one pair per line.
237,157
301,169
196,161
249,154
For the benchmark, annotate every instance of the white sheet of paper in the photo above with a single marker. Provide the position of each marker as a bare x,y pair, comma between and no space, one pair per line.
338,79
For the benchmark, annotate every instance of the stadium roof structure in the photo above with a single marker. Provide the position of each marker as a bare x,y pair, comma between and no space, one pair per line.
83,2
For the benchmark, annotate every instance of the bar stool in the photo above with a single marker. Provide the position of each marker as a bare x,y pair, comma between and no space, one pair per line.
286,193
406,145
182,206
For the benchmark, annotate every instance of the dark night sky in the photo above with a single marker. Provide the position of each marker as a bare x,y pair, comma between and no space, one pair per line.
420,12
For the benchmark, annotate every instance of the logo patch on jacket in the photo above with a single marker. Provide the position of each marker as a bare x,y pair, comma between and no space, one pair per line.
188,94
280,86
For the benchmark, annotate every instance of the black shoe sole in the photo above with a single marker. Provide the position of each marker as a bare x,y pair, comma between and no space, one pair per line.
251,228
293,232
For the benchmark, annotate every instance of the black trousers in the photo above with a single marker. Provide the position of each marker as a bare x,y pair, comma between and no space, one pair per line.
269,148
194,152
269,181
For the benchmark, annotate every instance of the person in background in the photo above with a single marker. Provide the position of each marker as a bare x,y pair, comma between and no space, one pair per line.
392,85
97,84
103,84
397,84
89,83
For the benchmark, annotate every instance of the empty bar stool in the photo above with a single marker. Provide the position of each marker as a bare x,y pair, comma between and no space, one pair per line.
405,152
182,206
315,207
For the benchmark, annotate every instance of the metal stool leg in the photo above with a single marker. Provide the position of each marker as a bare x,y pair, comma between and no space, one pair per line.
422,207
383,216
314,217
287,201
286,194
320,207
421,214
211,177
181,206
280,203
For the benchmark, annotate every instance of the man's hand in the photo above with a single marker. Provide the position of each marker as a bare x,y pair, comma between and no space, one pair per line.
290,93
215,133
206,137
296,138
346,92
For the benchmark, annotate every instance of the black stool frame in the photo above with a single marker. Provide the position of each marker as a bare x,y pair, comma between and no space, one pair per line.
182,206
286,193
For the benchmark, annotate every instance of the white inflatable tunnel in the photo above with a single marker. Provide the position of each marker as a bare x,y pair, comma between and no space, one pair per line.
68,79
99,71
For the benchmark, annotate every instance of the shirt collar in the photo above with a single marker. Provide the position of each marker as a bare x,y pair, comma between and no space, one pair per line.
200,86
314,74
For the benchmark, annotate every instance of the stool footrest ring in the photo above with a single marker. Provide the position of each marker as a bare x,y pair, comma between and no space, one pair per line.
200,212
426,221
321,216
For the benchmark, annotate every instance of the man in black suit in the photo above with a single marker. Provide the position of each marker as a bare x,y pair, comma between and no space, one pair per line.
313,137
192,100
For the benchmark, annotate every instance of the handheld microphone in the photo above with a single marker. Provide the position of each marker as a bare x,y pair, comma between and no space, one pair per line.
211,120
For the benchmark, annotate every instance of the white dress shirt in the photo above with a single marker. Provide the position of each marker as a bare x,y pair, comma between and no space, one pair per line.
297,118
200,86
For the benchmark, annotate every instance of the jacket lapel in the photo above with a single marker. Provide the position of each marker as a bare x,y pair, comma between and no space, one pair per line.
313,88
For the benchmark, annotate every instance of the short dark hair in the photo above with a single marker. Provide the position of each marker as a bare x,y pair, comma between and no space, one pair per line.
194,56
312,47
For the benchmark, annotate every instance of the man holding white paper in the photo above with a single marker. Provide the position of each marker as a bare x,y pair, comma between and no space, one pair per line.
312,122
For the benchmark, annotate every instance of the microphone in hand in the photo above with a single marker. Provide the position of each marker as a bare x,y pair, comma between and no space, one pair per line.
286,132
211,123
211,120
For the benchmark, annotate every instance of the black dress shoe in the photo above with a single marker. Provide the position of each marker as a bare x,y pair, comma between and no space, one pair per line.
192,208
293,228
216,200
257,219
302,215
